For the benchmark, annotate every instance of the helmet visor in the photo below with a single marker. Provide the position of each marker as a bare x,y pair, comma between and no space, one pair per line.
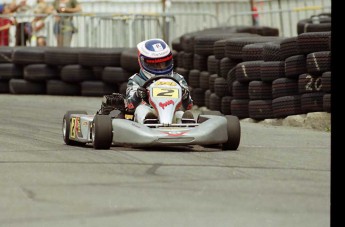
158,65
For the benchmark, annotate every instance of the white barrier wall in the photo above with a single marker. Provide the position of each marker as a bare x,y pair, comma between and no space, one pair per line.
113,23
282,14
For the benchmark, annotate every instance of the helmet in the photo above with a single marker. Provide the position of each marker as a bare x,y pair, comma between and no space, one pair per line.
155,58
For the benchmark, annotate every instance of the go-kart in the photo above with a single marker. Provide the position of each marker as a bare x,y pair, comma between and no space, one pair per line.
169,128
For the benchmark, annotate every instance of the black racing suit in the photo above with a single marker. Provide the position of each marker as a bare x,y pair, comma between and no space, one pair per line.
137,80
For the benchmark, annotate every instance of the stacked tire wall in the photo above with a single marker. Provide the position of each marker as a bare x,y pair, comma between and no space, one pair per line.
257,76
66,71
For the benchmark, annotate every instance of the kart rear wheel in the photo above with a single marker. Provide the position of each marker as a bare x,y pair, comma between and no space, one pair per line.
66,127
234,133
102,132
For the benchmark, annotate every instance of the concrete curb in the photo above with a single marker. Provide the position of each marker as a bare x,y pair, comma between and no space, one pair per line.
320,121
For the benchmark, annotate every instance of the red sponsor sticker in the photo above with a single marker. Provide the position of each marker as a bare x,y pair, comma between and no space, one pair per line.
167,103
175,133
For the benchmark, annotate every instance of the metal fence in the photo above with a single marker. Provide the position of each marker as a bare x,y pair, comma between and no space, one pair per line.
282,14
118,30
284,19
116,23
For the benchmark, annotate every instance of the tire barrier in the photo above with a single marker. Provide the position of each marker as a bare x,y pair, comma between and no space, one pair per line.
258,76
316,23
66,71
229,70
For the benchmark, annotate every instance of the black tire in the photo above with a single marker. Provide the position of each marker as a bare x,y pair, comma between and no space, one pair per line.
327,103
212,112
188,61
28,55
58,87
76,74
66,124
115,75
62,55
97,88
99,56
129,60
102,132
240,108
199,62
40,73
234,133
198,96
6,54
4,87
21,86
10,71
286,105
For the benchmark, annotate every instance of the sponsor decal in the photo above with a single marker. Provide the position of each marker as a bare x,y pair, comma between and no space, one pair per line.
167,103
168,83
158,54
129,116
72,127
78,128
175,133
157,47
159,60
75,129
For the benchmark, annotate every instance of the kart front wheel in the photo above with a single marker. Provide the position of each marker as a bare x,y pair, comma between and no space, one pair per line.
234,133
102,132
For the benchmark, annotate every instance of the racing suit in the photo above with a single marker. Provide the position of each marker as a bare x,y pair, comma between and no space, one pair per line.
131,101
136,81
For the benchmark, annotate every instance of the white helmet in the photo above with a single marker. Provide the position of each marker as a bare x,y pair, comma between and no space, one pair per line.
155,58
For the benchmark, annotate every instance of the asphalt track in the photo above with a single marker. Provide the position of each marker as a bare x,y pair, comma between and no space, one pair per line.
280,176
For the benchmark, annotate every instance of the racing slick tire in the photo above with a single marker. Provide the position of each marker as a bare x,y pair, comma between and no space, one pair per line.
66,125
102,132
234,133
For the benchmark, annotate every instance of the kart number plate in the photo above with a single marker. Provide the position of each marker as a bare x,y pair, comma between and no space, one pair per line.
165,92
168,83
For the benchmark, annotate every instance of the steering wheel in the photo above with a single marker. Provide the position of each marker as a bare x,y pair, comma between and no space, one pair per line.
153,79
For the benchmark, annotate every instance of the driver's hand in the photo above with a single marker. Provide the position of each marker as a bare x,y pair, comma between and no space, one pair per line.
141,92
185,93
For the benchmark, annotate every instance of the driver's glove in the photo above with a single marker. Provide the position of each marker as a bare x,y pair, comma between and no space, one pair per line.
185,93
141,92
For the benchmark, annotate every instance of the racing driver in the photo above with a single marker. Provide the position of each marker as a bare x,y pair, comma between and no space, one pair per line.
155,59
